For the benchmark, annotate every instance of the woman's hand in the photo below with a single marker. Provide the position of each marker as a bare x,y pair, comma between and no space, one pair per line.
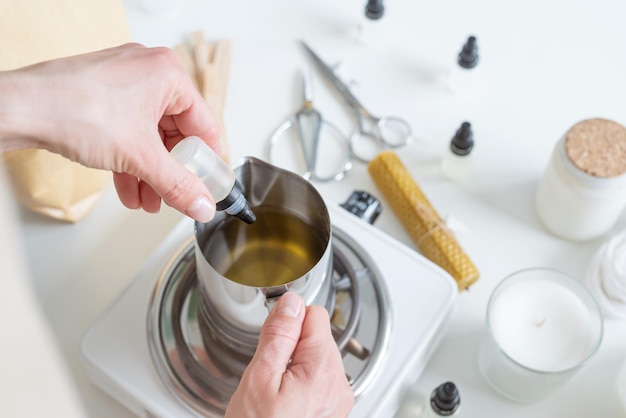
297,370
120,109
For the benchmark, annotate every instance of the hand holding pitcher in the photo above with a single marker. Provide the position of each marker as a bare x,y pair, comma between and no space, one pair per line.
297,369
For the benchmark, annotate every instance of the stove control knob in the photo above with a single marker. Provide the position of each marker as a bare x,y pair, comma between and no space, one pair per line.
363,205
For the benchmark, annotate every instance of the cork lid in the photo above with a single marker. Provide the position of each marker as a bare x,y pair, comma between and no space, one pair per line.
597,147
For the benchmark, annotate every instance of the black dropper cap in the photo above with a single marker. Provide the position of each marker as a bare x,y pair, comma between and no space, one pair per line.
463,141
236,204
374,9
468,57
246,215
445,400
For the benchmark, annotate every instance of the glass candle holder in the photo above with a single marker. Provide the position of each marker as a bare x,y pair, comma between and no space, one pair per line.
542,327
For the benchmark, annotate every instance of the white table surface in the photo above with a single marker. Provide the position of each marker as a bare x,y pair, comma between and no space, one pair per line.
545,66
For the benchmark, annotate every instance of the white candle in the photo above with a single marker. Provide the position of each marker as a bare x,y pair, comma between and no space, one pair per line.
542,325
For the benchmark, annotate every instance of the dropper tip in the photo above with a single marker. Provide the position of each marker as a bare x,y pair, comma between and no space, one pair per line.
247,215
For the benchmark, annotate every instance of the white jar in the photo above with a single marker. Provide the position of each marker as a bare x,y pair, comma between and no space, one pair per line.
583,190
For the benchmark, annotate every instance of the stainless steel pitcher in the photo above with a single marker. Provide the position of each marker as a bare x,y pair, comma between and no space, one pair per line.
243,269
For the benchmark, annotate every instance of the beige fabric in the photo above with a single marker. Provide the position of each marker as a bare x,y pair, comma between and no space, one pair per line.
38,30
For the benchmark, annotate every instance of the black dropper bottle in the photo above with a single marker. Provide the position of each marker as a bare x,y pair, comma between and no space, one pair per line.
468,57
456,162
445,400
463,141
374,9
464,76
372,28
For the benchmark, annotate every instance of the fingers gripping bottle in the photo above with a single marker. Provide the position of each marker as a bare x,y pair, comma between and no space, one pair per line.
193,153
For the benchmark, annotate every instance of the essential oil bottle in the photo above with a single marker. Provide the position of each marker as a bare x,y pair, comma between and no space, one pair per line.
465,74
457,161
445,401
371,30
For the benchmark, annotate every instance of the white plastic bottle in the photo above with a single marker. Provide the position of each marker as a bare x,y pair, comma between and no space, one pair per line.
457,161
445,401
193,153
372,28
583,191
465,75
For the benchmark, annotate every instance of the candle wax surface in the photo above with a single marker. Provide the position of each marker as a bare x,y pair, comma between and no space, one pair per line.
542,325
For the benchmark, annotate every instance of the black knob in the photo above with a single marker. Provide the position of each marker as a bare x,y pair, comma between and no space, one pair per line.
363,205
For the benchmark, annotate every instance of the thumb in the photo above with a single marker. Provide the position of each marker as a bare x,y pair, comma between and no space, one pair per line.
180,188
279,337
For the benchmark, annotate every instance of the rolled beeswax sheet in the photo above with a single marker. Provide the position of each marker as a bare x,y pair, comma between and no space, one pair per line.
426,228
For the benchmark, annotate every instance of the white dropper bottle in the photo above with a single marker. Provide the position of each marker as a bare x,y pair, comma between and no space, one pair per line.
445,401
372,27
457,161
193,153
465,75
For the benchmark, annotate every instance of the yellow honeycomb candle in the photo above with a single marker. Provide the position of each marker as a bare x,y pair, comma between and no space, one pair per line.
428,231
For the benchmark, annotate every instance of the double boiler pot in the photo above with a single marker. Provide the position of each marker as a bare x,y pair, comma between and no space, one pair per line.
243,269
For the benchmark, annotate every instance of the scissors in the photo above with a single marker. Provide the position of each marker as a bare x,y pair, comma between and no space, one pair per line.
312,129
373,133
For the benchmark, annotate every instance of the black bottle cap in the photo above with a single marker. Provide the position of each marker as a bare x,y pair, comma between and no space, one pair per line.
374,9
463,141
363,205
236,204
468,57
445,400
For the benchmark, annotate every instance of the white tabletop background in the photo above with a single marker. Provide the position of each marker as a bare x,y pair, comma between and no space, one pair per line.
545,66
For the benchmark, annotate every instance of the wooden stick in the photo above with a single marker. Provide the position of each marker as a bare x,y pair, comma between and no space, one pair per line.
208,65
